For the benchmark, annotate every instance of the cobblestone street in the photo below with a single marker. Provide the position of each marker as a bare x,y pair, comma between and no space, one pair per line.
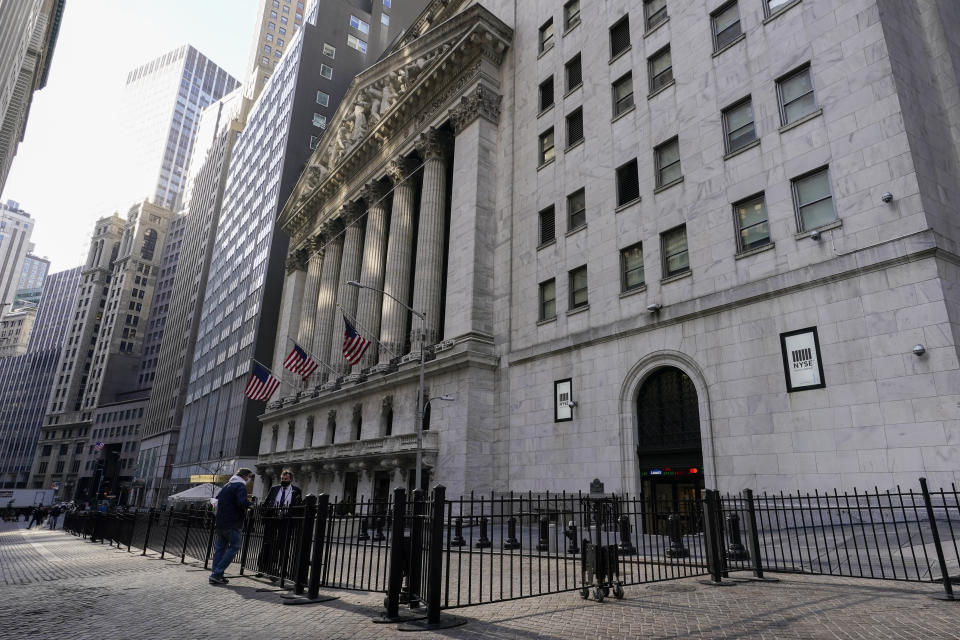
57,586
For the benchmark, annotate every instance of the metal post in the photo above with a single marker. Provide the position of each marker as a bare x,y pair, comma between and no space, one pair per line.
457,540
420,407
395,579
186,539
511,541
285,548
319,540
674,531
415,559
571,535
166,534
711,537
626,544
947,585
754,532
248,520
303,558
735,550
435,559
543,542
211,524
364,525
484,541
146,537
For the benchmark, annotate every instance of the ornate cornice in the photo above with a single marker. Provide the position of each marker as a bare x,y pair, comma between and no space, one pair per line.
373,192
400,169
433,144
296,261
351,212
479,103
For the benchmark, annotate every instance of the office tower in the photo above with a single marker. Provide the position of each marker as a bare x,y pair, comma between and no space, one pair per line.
15,327
32,276
160,112
16,227
29,378
28,35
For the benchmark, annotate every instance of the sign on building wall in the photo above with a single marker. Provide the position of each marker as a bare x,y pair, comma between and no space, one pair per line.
562,410
802,365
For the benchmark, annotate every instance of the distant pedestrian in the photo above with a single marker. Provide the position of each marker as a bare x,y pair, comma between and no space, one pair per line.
231,507
36,517
54,514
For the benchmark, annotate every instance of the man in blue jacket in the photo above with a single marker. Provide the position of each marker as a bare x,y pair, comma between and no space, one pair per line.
232,506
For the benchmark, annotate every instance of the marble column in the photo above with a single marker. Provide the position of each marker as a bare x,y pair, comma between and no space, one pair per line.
288,322
393,317
352,216
428,272
311,291
369,302
327,294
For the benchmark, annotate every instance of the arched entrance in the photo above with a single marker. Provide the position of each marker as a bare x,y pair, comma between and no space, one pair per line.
669,452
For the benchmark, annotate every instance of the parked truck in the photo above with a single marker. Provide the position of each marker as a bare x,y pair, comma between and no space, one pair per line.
19,498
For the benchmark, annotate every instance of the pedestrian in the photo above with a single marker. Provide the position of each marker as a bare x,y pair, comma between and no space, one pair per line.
281,496
54,514
36,517
231,508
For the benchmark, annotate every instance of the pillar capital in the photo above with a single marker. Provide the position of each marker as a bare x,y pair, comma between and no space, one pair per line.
331,228
372,192
433,144
479,103
400,169
351,212
296,260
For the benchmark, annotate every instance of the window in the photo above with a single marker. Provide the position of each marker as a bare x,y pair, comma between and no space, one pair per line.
661,69
628,183
631,267
796,96
667,160
576,210
385,19
387,3
725,23
654,12
548,299
359,24
770,7
578,287
546,35
273,14
356,43
738,129
320,120
326,72
277,53
547,225
571,14
574,73
286,9
623,94
323,98
271,26
675,257
267,48
620,37
279,42
813,199
575,127
547,151
329,50
546,94
750,218
269,37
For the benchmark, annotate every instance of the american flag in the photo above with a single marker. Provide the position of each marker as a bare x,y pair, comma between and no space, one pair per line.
299,362
262,384
354,345
98,446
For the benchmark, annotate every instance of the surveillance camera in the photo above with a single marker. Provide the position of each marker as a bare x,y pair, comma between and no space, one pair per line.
653,308
571,403
887,197
815,235
919,350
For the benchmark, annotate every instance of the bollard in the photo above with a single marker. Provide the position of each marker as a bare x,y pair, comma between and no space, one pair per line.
676,550
543,542
166,535
626,545
484,541
186,539
755,538
364,526
319,539
571,534
211,525
457,540
511,541
395,578
378,529
146,536
735,549
937,545
415,568
248,522
306,533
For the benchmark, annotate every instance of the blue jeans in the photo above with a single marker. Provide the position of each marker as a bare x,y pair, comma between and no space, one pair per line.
226,543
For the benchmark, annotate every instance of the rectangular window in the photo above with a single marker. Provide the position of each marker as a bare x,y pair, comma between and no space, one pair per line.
674,246
813,199
359,24
547,225
269,37
546,36
628,183
623,94
726,25
323,98
796,95
329,50
578,287
387,3
574,73
620,37
277,53
576,209
770,7
356,43
546,94
750,217
547,151
571,14
661,69
267,48
738,128
654,12
320,120
326,72
273,14
548,299
385,19
667,159
575,127
631,267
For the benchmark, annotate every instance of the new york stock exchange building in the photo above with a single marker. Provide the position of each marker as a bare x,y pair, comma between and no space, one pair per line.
652,244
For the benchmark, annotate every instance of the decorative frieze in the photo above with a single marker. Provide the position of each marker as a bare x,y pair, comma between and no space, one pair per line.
482,102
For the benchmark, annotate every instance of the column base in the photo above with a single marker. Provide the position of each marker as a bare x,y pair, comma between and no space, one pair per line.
354,378
383,369
332,385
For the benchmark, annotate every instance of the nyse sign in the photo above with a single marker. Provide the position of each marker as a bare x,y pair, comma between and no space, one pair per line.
801,359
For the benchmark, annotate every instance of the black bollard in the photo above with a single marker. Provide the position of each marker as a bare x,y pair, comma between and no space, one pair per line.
364,526
735,548
458,540
511,541
676,550
543,543
626,544
484,541
378,530
571,534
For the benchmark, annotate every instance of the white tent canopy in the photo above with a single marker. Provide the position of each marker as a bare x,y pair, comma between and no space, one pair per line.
198,493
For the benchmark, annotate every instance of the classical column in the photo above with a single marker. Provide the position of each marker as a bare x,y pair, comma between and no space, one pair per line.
428,273
311,291
291,303
370,302
393,317
327,295
352,215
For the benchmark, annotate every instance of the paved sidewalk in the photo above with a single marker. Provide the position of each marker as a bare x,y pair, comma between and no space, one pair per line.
53,585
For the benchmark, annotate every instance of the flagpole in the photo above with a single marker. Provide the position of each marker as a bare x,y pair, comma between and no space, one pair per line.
279,379
316,359
357,323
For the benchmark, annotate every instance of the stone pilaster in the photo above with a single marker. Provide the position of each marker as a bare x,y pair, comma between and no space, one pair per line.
393,317
428,272
369,303
327,294
352,216
311,291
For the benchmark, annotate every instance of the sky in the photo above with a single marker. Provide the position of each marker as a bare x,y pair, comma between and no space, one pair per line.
61,174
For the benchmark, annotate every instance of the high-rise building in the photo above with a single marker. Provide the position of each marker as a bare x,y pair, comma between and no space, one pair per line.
15,327
16,227
160,112
28,35
32,277
29,378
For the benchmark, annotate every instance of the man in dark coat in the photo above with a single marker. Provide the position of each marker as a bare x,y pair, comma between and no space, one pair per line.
231,508
280,498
